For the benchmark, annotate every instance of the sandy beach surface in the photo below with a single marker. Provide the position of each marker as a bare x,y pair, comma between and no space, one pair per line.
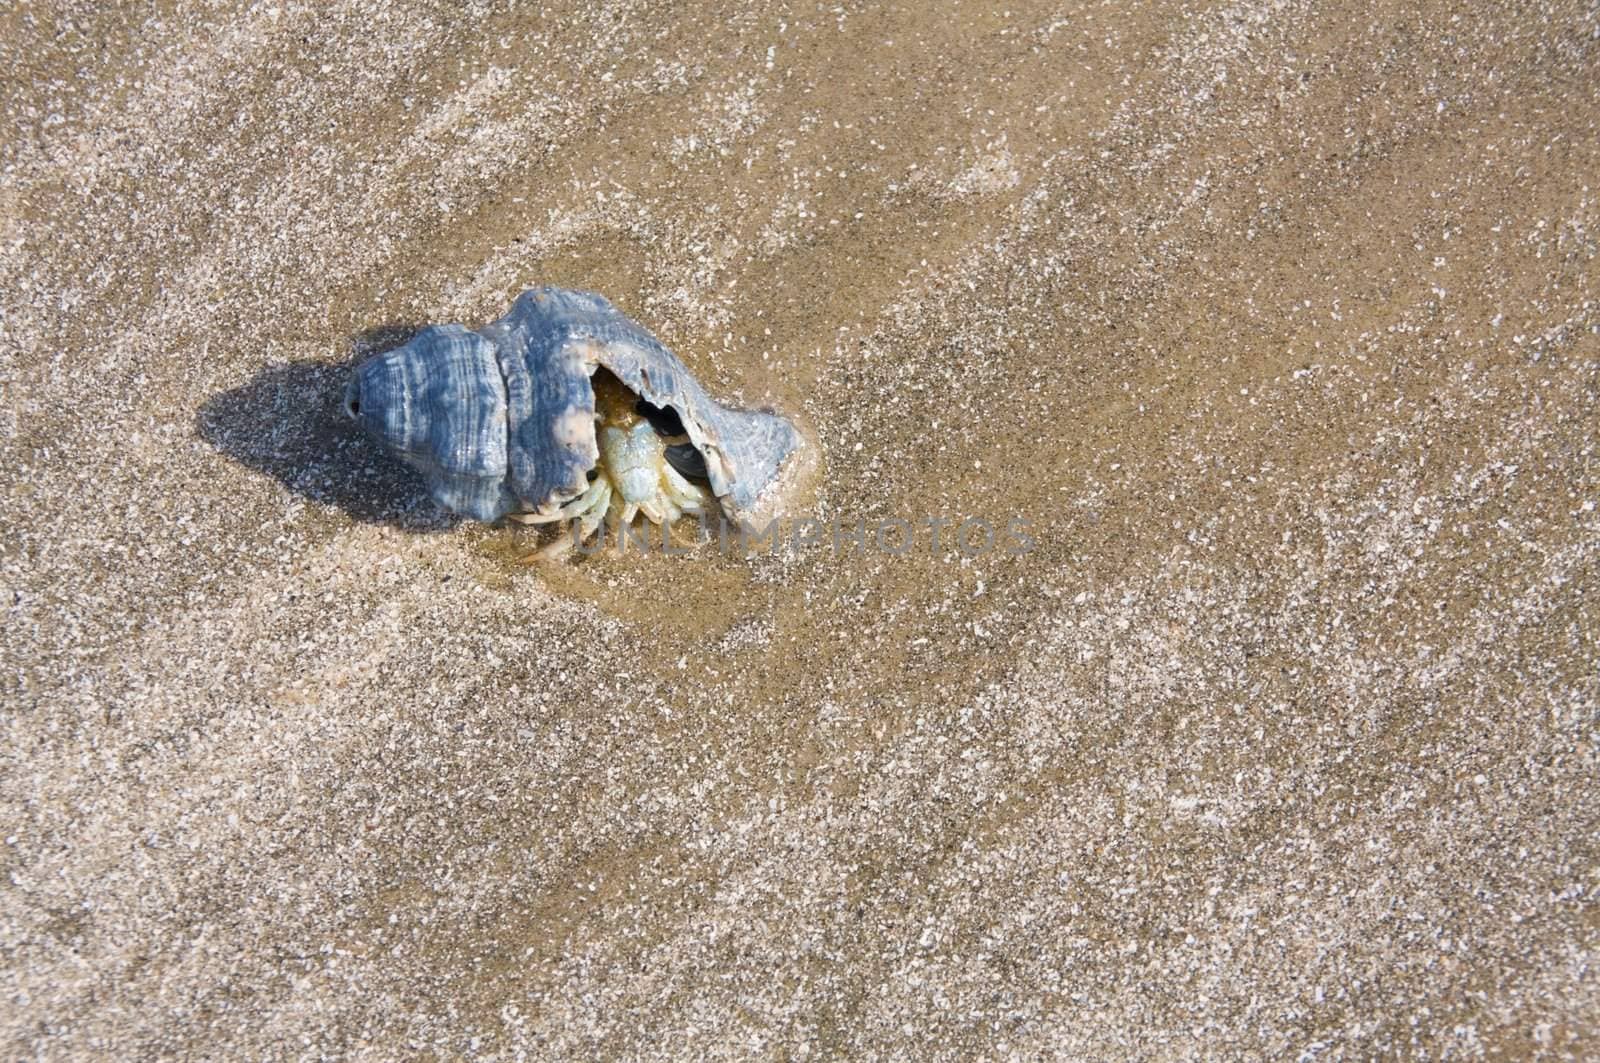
1276,321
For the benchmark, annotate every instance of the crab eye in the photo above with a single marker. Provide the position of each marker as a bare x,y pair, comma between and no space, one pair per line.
353,407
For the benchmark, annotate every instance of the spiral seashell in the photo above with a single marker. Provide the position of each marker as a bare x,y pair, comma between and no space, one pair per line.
502,420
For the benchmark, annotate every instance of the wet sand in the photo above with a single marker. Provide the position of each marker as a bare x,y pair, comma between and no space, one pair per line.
1275,321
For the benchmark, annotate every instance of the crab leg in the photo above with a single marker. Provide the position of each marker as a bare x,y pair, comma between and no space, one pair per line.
595,513
572,508
586,517
688,497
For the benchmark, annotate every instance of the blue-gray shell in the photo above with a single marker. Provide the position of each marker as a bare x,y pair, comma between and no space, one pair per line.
502,419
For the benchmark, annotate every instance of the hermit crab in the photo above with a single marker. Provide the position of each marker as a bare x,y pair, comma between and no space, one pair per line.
565,411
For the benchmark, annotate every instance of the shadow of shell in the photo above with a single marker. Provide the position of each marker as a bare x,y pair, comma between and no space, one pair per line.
288,422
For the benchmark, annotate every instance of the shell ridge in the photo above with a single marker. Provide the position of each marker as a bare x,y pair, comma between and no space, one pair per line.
550,430
435,402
